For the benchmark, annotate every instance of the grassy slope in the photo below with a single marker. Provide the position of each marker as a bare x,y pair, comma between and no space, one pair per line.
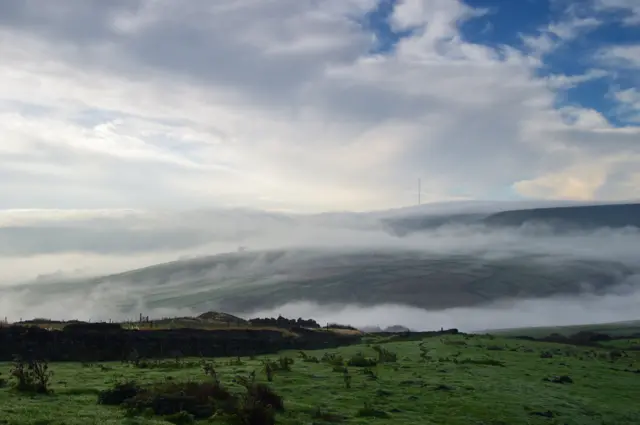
613,329
409,391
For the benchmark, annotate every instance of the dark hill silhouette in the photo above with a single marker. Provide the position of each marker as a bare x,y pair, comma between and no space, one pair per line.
572,218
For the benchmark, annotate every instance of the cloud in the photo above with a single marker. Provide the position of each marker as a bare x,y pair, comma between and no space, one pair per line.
49,260
275,105
622,56
557,34
629,8
555,311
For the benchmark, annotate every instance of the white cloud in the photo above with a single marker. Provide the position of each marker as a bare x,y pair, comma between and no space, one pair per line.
275,104
629,103
626,56
631,8
558,33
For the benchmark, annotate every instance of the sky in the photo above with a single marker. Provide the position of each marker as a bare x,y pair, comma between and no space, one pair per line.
316,105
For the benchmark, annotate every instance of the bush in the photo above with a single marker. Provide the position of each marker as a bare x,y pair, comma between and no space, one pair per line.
182,418
347,379
269,368
485,362
367,411
563,379
209,369
186,402
258,405
199,399
359,360
340,326
326,416
284,363
384,355
118,394
333,359
263,394
369,374
163,364
495,348
31,375
251,412
307,358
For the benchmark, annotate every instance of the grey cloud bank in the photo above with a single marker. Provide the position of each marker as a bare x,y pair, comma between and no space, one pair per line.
250,103
336,267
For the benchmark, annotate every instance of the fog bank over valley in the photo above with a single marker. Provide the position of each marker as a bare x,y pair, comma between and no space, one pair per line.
470,265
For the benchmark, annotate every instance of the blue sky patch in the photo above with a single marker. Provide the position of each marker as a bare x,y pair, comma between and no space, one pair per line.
508,22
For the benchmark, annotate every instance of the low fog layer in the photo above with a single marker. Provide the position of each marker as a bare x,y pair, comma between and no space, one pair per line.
333,267
620,305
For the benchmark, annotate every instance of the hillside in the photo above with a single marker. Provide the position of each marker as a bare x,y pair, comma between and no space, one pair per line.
246,282
573,217
559,217
612,329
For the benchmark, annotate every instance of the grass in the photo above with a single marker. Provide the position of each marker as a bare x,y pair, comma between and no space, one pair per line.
443,380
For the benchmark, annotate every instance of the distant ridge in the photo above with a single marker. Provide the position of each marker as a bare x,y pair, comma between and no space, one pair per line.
573,217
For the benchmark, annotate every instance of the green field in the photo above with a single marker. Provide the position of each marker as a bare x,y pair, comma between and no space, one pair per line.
442,380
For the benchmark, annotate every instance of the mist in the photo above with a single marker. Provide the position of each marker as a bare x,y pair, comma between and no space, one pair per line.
69,265
620,305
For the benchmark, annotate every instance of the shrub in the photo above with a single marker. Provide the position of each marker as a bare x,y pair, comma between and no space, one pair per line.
495,348
210,370
200,399
258,405
347,379
284,363
263,394
251,412
163,364
384,355
340,326
340,369
307,358
181,418
368,411
486,362
31,375
564,379
269,369
326,416
185,402
359,360
119,393
333,359
370,374
235,362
